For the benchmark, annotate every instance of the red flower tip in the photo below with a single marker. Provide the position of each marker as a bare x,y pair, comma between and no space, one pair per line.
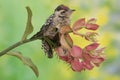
91,47
79,24
92,26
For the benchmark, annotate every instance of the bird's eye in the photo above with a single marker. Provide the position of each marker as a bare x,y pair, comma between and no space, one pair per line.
63,12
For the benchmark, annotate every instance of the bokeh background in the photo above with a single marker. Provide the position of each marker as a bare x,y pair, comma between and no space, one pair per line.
13,17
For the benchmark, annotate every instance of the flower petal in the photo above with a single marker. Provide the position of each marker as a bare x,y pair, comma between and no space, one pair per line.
91,26
79,24
100,50
65,29
76,52
64,42
98,60
69,39
61,52
87,56
76,65
88,65
92,20
92,58
91,47
91,36
66,58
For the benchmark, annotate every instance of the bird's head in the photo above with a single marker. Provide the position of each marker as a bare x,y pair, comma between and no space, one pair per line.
63,11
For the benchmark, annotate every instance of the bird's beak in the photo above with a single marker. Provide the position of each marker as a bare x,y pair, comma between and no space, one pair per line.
73,10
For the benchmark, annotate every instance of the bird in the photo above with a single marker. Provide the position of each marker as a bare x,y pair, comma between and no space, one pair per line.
50,30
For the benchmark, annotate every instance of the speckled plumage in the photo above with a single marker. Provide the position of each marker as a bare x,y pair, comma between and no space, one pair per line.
50,30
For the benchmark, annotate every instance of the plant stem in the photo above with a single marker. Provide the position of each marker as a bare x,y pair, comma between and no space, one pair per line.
14,46
23,42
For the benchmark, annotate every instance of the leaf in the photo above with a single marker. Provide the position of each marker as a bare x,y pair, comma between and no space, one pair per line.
27,61
29,26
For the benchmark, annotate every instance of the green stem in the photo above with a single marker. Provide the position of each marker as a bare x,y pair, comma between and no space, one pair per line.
21,43
14,46
26,41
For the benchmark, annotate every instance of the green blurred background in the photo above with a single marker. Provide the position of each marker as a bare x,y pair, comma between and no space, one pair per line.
13,18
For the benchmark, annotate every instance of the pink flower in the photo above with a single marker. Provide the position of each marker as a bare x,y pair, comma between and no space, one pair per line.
92,58
91,36
76,65
91,47
63,54
92,54
76,52
80,59
87,65
79,24
91,24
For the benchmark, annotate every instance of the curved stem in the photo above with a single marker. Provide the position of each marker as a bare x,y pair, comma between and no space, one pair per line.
23,42
14,46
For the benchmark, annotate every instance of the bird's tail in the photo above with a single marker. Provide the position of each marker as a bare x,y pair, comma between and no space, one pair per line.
38,35
47,48
45,45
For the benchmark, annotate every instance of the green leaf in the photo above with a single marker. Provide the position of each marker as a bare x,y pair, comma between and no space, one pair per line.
27,61
29,26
